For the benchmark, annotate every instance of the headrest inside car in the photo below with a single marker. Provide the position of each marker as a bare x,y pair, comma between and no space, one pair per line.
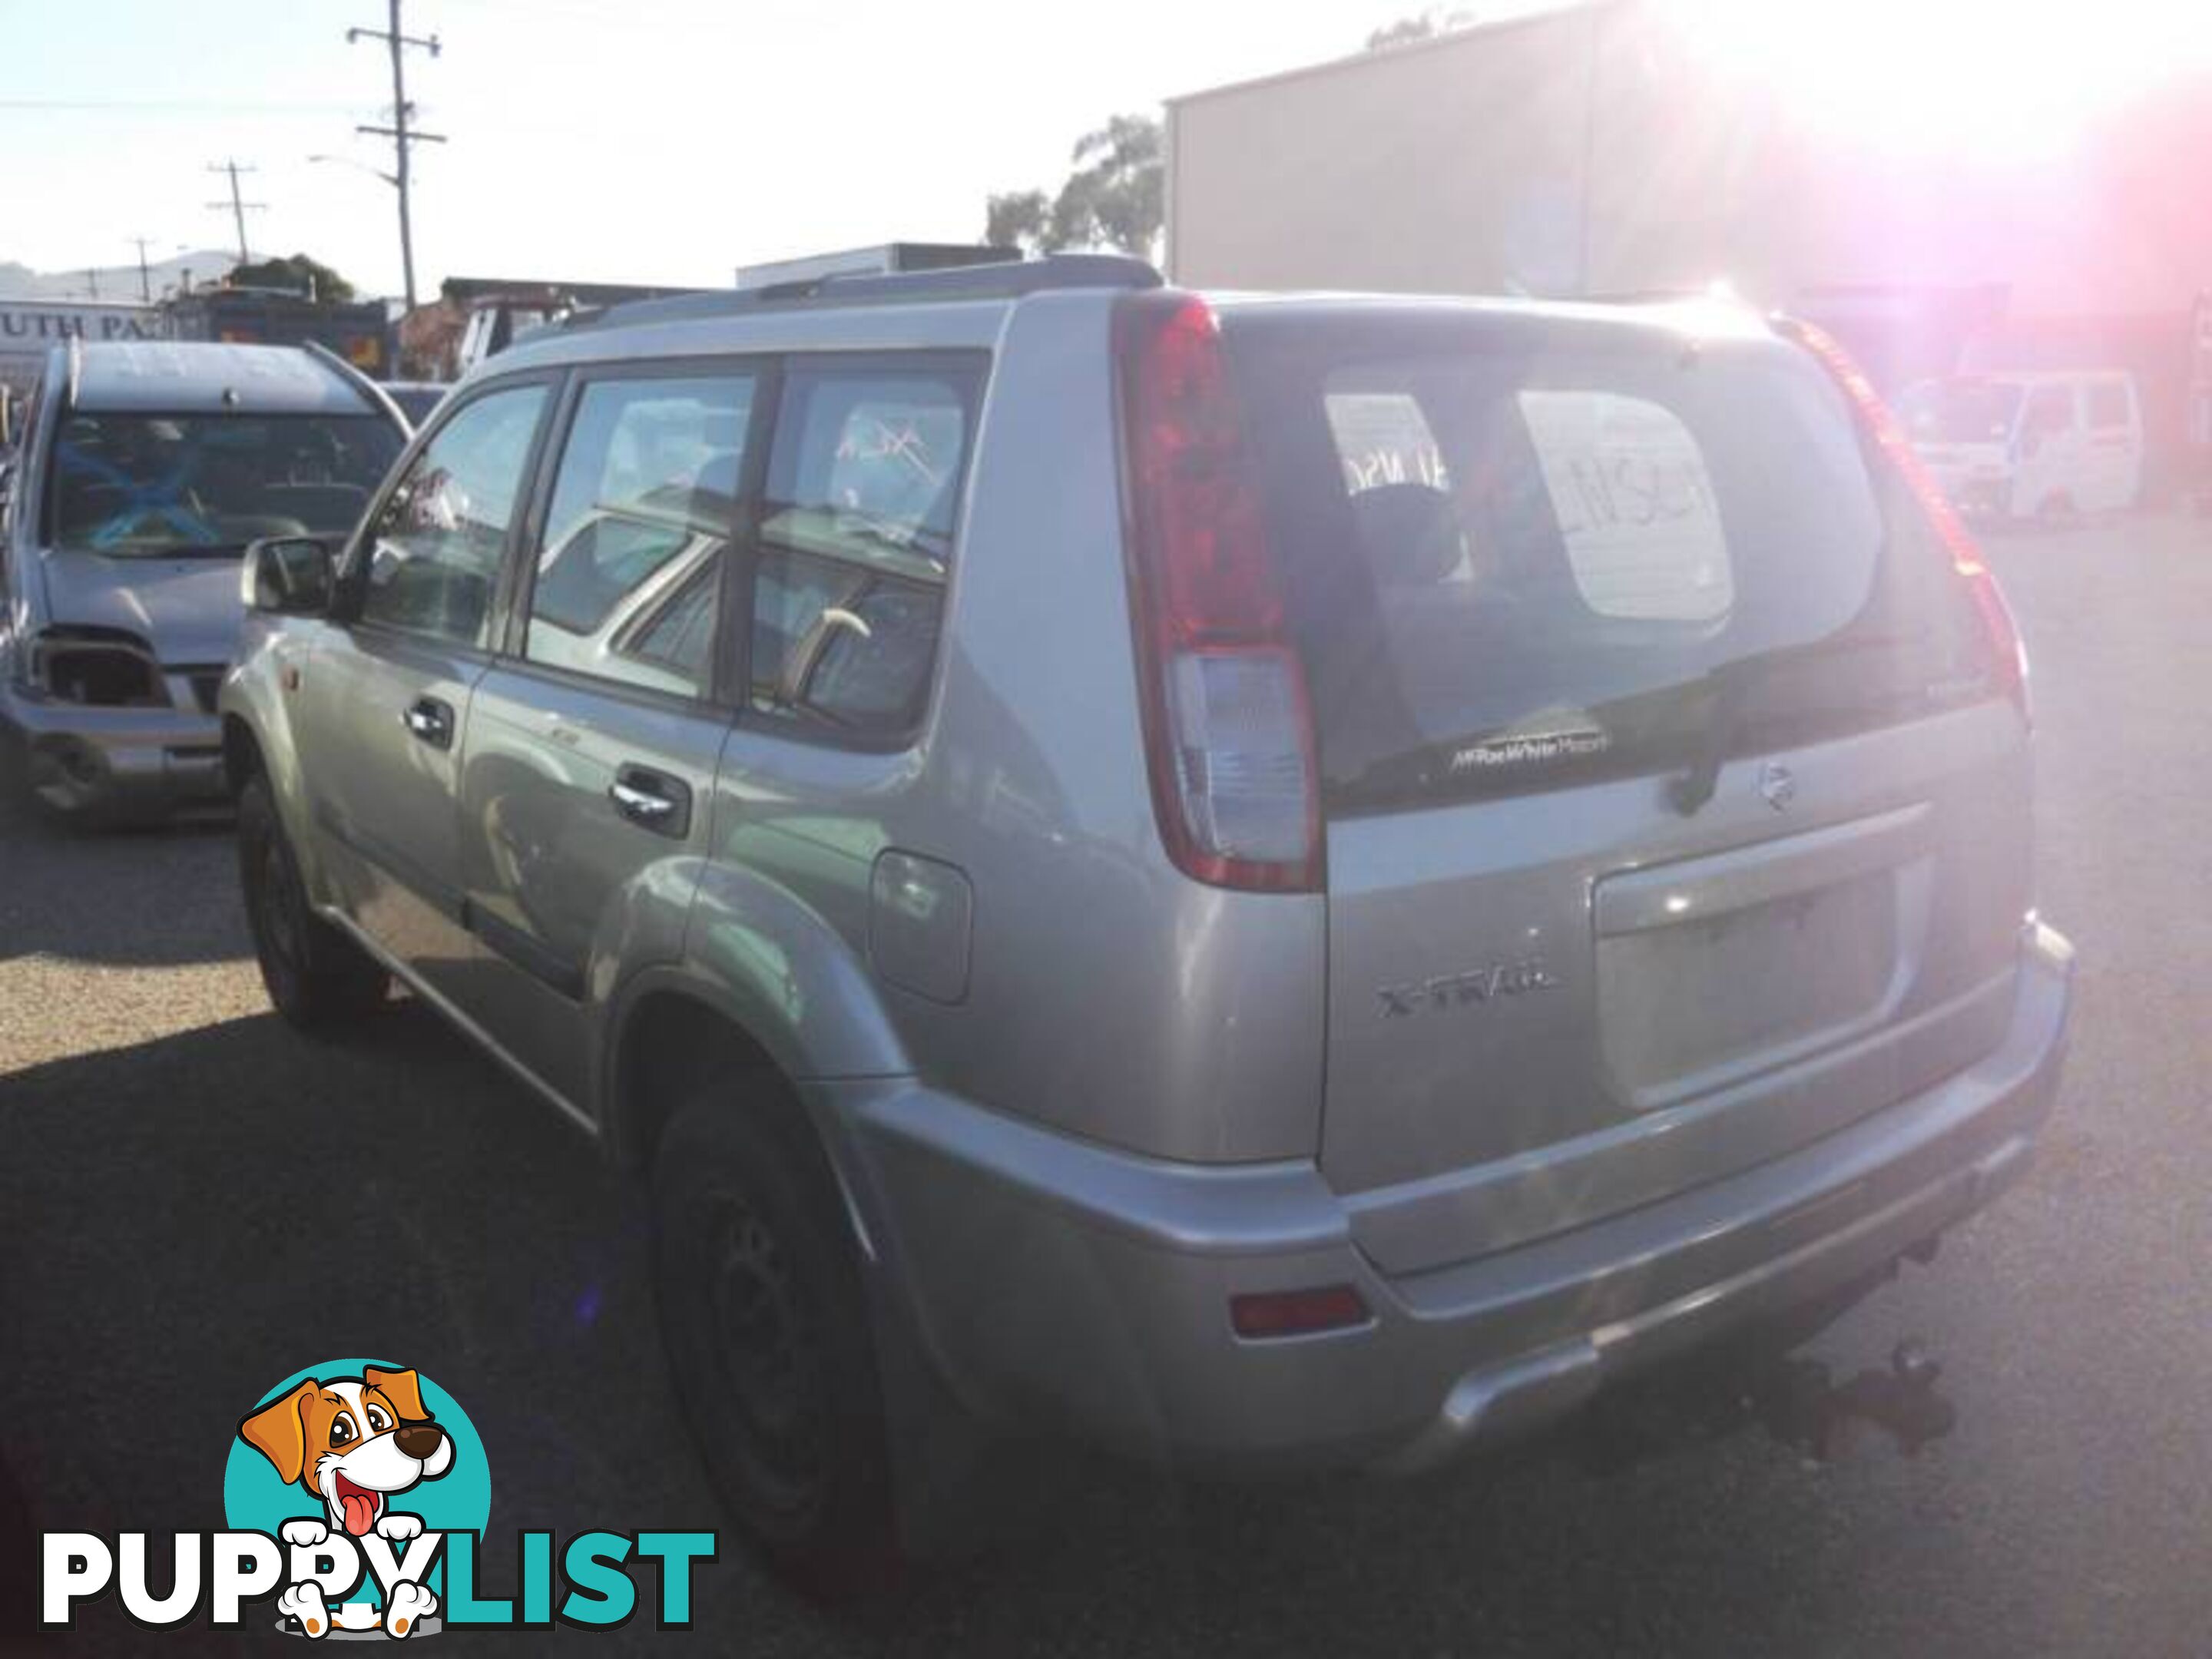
1410,533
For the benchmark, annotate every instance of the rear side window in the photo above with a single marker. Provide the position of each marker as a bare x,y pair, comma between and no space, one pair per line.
1513,569
2049,414
856,542
434,550
2108,404
629,574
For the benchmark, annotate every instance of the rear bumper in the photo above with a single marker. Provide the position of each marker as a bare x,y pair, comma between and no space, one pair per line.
85,762
1067,1285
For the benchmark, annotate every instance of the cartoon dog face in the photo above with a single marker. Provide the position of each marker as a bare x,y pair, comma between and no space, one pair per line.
352,1441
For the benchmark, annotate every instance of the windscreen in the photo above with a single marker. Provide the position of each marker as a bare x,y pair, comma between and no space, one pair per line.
1514,568
171,485
1959,412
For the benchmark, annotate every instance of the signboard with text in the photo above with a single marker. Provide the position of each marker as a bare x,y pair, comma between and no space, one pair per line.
30,328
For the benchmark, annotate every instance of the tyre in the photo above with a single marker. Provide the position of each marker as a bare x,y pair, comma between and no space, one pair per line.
765,1318
318,978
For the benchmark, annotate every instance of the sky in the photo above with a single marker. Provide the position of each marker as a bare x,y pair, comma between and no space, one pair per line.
661,141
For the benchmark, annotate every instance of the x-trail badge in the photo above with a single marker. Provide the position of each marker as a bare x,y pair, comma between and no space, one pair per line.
1777,785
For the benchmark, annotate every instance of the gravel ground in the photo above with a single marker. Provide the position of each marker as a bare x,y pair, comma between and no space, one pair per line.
193,1202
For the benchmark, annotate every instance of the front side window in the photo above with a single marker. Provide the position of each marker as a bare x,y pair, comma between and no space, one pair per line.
2108,405
1960,412
171,486
433,552
856,541
2049,414
629,576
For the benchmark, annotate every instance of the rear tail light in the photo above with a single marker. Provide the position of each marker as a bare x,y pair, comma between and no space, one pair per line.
1228,729
2008,654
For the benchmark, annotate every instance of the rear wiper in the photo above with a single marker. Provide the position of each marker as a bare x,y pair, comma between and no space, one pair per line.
1732,684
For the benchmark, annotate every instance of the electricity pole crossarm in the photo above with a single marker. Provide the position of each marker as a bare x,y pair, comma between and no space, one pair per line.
397,40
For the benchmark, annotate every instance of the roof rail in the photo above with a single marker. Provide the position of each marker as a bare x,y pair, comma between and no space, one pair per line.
1005,281
377,396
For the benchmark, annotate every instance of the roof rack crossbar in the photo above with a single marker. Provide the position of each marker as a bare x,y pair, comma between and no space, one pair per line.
1005,281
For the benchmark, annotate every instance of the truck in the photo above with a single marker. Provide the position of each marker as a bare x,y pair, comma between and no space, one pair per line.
359,331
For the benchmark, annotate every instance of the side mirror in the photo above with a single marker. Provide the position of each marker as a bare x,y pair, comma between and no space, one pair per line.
288,577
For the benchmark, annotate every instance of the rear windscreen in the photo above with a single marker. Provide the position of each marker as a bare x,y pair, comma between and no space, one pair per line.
1511,568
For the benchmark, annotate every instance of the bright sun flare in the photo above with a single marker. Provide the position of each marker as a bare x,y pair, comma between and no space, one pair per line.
1999,80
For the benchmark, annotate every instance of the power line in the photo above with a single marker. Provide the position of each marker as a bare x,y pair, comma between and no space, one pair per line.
175,105
237,208
403,138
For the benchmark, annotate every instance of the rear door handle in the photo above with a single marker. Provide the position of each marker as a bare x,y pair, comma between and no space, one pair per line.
431,721
652,801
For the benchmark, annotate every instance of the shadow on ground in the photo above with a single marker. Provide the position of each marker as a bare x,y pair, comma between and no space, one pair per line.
152,895
182,1223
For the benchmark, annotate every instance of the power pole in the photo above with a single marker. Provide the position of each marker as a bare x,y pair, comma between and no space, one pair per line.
145,277
403,136
237,209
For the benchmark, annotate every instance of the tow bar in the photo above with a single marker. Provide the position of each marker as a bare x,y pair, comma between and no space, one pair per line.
1797,1401
1800,1404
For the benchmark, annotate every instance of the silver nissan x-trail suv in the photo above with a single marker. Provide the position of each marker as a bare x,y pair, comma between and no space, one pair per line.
1268,883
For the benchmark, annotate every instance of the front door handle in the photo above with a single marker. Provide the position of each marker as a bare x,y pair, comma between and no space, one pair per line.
652,801
431,721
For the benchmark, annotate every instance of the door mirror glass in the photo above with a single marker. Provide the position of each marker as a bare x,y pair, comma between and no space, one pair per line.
289,576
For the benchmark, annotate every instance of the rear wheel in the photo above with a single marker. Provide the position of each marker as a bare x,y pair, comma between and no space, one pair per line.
765,1318
317,977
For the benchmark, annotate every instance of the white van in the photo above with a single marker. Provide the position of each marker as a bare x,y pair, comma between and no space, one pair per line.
2030,446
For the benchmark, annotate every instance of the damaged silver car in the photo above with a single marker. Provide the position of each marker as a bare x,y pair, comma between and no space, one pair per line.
144,471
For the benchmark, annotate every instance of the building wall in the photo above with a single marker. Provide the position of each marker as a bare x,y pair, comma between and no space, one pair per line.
1451,166
1595,150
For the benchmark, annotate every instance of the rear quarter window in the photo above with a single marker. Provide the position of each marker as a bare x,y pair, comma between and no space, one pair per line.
856,542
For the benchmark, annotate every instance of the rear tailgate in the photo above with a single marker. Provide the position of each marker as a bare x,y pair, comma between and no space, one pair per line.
1675,812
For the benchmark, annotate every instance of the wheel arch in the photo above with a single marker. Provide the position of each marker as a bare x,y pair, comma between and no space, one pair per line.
668,1029
242,758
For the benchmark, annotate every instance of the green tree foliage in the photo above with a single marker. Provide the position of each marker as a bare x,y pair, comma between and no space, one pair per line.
1021,218
1112,198
299,274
